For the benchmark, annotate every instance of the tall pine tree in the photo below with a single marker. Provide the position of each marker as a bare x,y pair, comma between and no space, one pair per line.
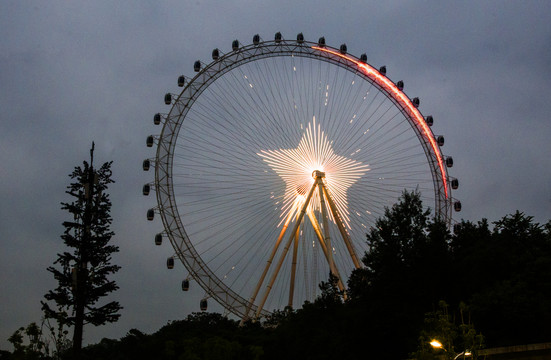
83,276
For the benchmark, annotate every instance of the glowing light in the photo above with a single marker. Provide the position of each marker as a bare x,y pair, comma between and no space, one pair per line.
296,166
388,85
436,344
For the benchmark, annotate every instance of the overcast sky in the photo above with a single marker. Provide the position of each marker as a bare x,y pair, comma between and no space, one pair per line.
73,72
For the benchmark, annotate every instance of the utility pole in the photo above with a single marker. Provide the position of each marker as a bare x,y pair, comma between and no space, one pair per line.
83,277
80,283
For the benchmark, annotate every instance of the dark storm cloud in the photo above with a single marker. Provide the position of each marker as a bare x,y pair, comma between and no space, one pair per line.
73,72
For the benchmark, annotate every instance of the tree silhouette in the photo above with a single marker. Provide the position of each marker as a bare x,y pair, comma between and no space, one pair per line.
83,277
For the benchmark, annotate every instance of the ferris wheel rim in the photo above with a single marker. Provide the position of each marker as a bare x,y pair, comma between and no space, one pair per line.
167,207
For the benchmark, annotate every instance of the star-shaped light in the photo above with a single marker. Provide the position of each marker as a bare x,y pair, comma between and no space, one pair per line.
295,167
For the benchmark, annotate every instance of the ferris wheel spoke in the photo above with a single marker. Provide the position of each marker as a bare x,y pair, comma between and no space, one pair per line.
271,103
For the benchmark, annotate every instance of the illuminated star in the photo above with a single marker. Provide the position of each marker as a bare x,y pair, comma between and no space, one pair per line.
314,152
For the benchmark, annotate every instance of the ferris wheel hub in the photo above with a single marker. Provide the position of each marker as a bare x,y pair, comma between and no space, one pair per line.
318,174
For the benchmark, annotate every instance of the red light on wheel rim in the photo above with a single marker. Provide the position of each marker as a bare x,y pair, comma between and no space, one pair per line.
402,99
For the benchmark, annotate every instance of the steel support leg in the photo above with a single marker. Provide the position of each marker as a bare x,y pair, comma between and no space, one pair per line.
317,229
344,233
268,264
286,248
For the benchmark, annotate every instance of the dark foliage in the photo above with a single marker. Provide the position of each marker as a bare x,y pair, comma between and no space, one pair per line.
499,280
406,273
200,336
506,278
83,274
416,275
502,276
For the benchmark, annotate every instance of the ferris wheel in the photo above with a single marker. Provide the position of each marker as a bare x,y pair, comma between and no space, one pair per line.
276,159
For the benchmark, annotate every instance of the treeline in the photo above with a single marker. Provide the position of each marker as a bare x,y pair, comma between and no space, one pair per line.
495,280
480,285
